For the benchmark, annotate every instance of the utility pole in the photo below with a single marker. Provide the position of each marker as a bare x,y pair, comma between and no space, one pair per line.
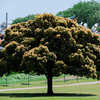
6,79
98,22
64,78
87,23
28,79
28,73
28,17
6,19
6,27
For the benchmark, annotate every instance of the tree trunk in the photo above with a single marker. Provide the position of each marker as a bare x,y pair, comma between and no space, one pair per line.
49,82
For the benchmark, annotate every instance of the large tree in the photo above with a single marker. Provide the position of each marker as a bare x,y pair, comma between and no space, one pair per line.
84,11
50,45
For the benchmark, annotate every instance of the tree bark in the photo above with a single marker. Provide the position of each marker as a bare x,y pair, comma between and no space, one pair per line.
49,82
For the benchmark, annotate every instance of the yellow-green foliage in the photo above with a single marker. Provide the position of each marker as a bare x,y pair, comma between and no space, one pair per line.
45,60
72,46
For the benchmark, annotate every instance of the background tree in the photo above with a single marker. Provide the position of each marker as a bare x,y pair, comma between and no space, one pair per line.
24,19
50,45
84,10
98,28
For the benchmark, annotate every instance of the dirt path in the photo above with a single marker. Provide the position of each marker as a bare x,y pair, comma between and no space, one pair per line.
75,84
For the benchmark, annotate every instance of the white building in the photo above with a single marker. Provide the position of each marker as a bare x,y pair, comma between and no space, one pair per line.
3,27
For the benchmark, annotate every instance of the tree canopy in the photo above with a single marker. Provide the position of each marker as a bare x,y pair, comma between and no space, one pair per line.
84,11
50,45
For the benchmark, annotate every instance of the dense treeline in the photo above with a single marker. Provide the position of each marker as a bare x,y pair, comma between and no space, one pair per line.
87,11
24,19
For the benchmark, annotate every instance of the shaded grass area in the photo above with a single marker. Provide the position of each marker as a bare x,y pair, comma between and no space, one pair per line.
43,94
83,92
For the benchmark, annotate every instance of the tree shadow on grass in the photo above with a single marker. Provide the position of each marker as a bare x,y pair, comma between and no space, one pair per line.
45,95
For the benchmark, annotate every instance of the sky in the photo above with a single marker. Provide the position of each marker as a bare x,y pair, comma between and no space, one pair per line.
22,8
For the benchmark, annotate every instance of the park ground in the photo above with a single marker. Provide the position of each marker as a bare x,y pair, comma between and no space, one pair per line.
70,90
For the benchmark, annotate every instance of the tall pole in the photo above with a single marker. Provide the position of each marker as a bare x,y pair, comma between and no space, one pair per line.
6,27
28,17
64,78
87,23
77,78
28,79
28,74
6,19
6,79
98,22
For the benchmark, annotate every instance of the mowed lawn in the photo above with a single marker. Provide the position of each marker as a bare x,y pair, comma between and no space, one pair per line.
81,92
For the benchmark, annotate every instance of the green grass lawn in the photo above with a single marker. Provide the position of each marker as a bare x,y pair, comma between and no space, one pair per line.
82,92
